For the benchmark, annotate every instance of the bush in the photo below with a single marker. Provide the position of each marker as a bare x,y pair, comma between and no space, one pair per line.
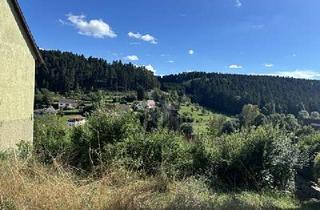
216,125
187,130
311,145
161,151
253,159
7,205
51,138
90,142
316,167
230,126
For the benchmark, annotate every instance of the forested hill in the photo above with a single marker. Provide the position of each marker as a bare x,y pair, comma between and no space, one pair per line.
66,71
228,93
225,93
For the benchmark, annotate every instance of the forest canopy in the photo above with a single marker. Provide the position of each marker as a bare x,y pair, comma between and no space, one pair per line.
228,93
65,71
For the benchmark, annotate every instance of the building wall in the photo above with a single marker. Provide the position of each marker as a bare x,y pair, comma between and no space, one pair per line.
17,75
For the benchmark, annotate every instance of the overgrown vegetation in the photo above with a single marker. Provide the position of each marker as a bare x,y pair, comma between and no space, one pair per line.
29,185
112,162
158,150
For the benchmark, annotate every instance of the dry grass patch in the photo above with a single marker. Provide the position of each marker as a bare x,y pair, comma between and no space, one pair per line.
29,185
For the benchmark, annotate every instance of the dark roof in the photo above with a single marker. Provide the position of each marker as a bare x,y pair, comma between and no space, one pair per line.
34,46
68,101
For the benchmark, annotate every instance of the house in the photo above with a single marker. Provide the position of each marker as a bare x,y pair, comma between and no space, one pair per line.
76,121
151,104
18,60
314,123
67,104
50,111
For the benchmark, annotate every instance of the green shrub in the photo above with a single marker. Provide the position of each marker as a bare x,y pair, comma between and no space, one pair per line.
186,129
316,167
253,158
51,138
311,145
24,149
6,204
90,142
161,151
216,124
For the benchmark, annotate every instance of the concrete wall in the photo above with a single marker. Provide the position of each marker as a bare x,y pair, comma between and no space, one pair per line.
17,75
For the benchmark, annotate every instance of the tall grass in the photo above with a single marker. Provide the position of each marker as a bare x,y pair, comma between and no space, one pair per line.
30,185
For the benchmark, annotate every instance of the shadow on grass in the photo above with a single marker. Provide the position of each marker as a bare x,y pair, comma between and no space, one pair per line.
310,205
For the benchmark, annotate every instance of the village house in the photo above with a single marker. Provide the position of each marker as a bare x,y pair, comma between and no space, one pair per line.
49,111
19,56
67,104
76,121
314,123
151,104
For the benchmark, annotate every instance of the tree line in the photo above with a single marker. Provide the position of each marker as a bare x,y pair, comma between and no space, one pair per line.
65,71
228,93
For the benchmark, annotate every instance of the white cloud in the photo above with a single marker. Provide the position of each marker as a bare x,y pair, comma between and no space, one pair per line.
132,58
300,74
171,61
96,27
147,37
63,22
238,4
150,68
268,65
235,66
191,52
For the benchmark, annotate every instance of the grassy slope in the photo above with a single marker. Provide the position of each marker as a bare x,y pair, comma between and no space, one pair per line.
27,185
201,118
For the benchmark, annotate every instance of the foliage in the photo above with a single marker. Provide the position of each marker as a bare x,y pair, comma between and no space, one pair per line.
151,119
311,145
253,158
186,129
228,93
249,114
316,167
65,72
140,93
315,115
159,152
303,114
286,122
51,138
197,115
230,126
44,97
90,142
216,125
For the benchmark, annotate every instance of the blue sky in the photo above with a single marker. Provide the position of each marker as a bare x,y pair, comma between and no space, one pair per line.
273,37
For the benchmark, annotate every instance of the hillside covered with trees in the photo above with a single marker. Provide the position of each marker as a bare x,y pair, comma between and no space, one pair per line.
64,72
228,93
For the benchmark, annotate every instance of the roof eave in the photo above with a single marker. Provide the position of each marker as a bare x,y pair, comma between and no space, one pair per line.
39,59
